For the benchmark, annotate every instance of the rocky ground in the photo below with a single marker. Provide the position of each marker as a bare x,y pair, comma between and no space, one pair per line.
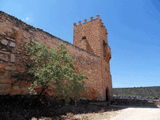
31,108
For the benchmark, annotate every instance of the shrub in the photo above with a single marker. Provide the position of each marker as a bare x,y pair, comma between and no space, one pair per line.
51,70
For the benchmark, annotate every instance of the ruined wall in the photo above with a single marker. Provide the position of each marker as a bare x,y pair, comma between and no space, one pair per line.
14,33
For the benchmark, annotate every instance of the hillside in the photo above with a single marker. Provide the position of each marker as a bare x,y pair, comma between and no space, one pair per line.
147,92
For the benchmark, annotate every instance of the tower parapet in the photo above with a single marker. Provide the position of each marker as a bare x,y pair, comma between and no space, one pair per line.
91,20
91,35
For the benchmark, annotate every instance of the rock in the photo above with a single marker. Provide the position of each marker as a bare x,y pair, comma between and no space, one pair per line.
4,80
5,52
4,88
3,57
12,58
11,39
12,44
3,33
4,42
15,28
16,87
15,90
10,68
3,49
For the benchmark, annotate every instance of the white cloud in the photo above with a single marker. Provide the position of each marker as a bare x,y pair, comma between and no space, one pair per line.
26,19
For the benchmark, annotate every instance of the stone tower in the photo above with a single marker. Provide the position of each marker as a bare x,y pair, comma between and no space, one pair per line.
92,36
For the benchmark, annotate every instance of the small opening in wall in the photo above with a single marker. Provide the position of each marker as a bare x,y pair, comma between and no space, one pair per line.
84,38
107,94
104,49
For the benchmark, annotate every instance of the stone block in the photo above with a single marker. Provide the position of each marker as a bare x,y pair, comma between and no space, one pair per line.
10,68
4,49
4,52
4,80
12,58
15,28
24,91
3,33
4,88
4,57
4,42
12,44
16,87
11,39
15,90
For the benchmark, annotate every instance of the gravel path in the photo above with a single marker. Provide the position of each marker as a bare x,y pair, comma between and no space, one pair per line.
137,114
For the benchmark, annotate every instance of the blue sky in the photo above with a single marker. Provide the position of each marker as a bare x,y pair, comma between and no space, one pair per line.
133,31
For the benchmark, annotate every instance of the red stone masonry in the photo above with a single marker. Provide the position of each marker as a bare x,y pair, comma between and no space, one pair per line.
90,51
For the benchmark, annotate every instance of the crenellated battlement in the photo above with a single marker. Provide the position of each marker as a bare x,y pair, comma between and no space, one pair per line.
97,19
91,20
91,36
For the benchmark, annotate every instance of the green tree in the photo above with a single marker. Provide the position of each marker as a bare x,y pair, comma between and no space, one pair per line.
52,70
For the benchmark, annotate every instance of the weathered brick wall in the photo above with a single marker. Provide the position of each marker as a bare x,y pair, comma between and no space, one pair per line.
15,33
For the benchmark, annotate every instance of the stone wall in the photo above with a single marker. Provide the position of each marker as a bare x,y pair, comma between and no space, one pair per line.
15,33
92,36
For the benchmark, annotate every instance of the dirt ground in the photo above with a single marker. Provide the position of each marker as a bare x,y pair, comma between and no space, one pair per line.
105,115
130,113
135,113
31,108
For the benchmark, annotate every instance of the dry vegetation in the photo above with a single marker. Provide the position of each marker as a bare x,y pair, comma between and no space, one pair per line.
144,92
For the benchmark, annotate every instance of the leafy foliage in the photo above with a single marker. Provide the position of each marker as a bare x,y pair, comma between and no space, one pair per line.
52,71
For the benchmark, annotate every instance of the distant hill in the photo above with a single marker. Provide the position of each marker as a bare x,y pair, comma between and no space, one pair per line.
149,92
